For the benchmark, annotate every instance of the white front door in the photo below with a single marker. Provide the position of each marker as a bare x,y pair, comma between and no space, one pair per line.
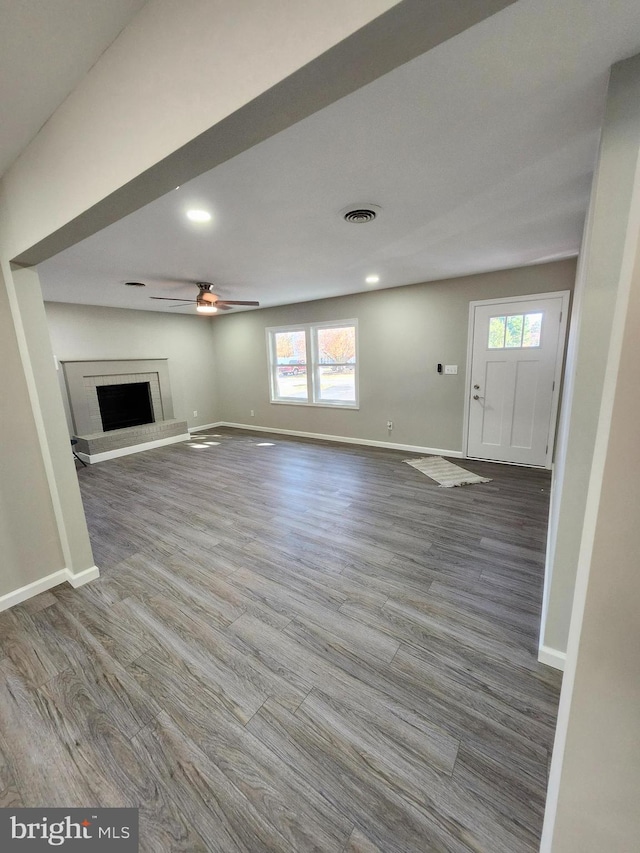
516,356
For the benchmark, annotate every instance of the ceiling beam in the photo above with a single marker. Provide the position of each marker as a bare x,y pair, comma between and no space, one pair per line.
406,31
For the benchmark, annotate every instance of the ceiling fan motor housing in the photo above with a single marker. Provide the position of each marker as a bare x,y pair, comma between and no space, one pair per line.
205,295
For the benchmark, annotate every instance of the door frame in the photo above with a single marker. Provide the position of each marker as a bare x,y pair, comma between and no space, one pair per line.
565,295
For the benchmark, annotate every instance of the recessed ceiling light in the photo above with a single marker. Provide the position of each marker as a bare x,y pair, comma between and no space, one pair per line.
198,215
372,279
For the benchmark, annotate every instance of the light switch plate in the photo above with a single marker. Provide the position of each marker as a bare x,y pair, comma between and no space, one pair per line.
450,369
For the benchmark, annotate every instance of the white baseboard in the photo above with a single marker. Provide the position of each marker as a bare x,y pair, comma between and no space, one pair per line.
91,459
552,657
343,439
10,599
205,426
83,577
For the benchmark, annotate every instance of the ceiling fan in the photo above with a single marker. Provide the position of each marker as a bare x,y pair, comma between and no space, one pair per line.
206,302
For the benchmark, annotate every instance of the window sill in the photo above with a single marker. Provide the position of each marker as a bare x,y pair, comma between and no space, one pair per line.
348,406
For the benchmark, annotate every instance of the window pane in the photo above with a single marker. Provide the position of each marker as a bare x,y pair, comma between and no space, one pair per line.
337,345
291,346
292,387
337,383
532,330
513,337
291,367
496,332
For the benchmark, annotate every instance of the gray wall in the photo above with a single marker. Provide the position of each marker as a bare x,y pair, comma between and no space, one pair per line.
594,784
87,333
596,291
599,767
403,333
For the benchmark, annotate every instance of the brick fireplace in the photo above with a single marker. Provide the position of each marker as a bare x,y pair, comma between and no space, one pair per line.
94,429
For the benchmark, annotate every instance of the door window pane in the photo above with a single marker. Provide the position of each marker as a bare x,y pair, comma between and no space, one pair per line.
496,332
515,331
532,330
513,336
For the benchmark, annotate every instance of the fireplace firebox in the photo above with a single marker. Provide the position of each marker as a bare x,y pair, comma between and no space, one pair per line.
125,405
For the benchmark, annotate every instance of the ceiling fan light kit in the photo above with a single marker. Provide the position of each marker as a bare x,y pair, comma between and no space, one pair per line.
205,307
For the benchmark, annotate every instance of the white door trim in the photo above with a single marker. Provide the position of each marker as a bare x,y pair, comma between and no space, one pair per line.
565,295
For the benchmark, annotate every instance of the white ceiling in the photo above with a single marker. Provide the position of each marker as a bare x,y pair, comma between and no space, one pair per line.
480,154
46,48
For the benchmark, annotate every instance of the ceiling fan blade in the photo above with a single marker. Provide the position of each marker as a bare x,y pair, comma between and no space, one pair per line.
181,305
222,307
220,302
172,299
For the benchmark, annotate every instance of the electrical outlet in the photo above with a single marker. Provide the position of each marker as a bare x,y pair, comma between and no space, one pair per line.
195,413
389,424
252,413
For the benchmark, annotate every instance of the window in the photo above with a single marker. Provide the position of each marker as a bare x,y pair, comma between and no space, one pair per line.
314,364
515,331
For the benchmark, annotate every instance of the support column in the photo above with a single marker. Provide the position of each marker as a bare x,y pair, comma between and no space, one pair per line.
51,425
30,548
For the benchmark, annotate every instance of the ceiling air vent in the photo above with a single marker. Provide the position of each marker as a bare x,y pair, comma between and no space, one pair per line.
358,214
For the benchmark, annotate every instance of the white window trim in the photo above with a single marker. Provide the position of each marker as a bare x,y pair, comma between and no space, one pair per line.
310,330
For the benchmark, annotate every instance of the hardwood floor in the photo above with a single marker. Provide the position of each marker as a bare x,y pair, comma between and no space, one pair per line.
295,647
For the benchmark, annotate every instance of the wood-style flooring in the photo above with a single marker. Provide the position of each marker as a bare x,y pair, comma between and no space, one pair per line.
294,646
